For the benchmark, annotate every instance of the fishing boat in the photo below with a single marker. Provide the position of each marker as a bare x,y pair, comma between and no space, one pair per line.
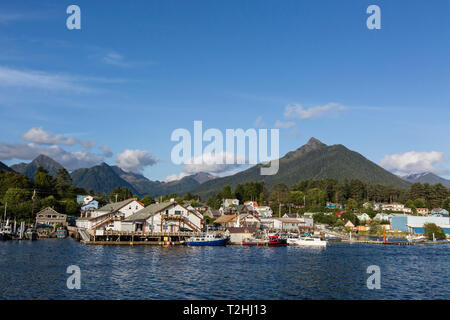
307,241
266,241
208,239
61,233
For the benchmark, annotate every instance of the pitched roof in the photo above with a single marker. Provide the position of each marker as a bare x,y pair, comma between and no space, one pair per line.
111,207
242,230
226,218
150,210
48,209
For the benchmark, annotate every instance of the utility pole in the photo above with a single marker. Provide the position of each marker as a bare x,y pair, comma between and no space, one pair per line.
279,211
116,197
32,207
4,215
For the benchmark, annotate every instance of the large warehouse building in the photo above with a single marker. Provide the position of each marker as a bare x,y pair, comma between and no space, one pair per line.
415,224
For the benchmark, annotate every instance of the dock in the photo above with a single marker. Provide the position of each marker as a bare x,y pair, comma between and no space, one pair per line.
395,243
111,237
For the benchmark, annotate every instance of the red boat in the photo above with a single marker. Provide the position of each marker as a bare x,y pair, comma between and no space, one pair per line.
269,241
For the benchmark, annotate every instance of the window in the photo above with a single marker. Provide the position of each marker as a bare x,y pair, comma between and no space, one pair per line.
178,212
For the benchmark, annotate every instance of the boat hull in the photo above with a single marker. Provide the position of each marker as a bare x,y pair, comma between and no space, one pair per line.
218,242
278,243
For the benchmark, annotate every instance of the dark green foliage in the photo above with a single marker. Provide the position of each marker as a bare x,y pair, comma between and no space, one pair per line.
120,194
431,228
147,200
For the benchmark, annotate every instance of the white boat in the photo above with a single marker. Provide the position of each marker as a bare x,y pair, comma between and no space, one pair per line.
306,241
412,238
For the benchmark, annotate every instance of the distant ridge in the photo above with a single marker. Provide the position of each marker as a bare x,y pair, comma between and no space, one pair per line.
40,161
101,178
314,160
4,167
426,177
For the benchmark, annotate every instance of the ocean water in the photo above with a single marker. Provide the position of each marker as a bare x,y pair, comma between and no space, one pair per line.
37,270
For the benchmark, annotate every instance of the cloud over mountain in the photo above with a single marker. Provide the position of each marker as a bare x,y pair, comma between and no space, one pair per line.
414,162
135,160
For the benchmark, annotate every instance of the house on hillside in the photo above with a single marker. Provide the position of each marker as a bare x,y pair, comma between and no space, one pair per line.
349,224
264,211
108,216
439,211
50,217
363,217
164,217
90,206
331,205
423,211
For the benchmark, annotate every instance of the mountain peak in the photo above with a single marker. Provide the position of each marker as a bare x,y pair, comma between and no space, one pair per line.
313,142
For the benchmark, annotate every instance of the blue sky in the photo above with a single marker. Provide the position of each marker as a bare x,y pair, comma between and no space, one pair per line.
138,70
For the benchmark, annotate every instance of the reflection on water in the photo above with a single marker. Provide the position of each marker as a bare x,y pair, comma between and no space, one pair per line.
37,270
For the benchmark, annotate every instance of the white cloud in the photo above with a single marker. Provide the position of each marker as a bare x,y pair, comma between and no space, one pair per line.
414,162
213,163
135,160
51,81
297,111
115,59
175,177
40,136
37,79
284,125
106,151
68,159
88,144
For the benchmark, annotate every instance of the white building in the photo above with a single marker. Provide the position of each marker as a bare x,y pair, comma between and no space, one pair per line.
264,211
164,217
110,215
363,217
287,224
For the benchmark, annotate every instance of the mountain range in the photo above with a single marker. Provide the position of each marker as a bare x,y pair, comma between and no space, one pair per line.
426,177
314,160
29,169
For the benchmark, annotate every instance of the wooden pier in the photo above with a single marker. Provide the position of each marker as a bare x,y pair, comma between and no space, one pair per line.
111,237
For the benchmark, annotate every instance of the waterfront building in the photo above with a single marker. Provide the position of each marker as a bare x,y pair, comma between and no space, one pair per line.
108,216
238,220
163,217
50,217
415,224
287,224
240,234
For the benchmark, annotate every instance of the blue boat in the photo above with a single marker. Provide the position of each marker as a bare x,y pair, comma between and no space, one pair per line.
207,240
